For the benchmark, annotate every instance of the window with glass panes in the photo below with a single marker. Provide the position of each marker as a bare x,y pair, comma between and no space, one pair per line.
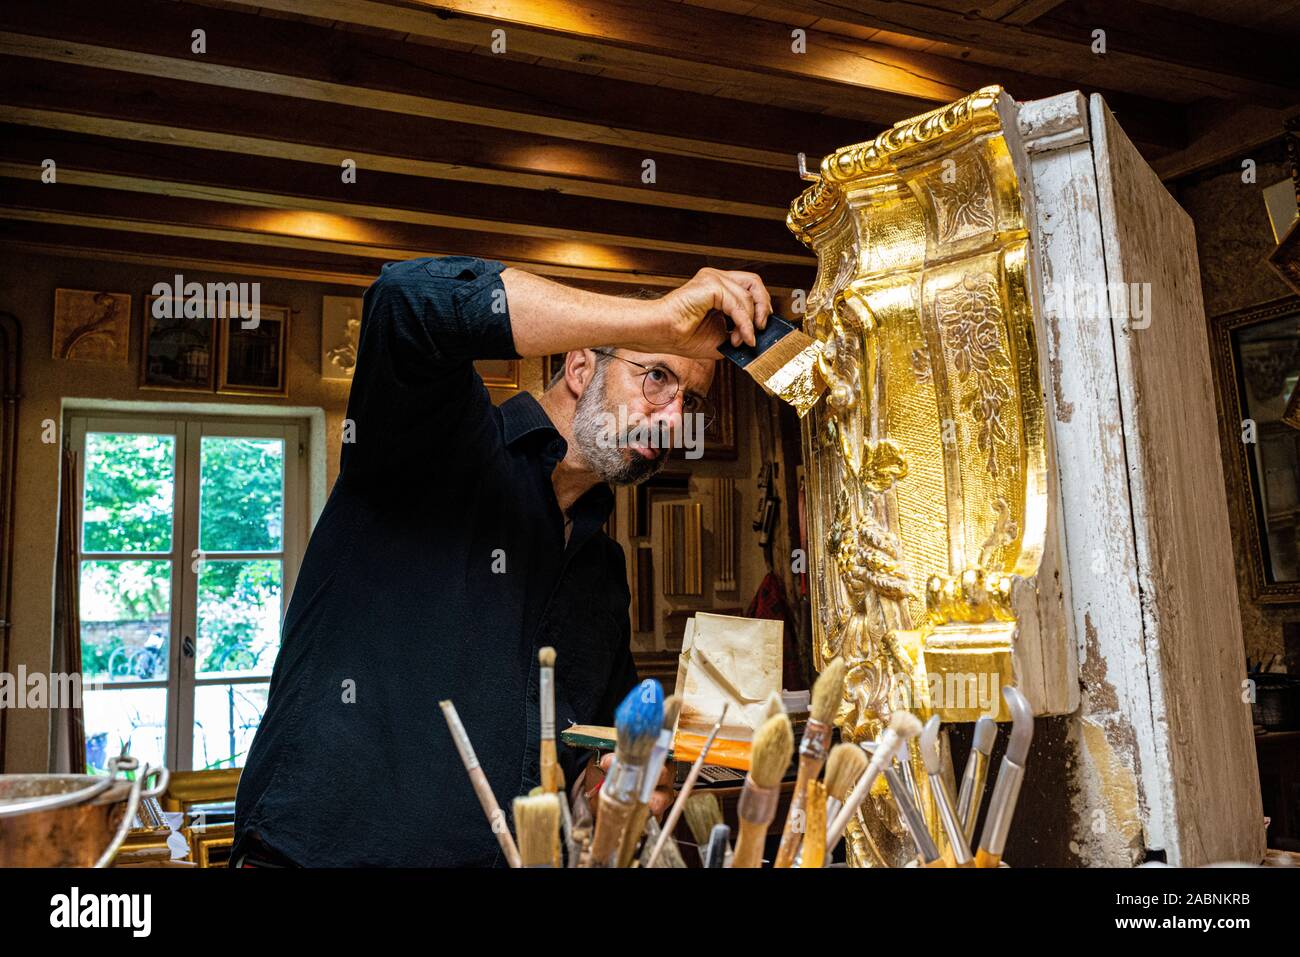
191,534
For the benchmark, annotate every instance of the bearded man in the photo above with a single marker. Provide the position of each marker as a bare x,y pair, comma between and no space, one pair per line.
460,538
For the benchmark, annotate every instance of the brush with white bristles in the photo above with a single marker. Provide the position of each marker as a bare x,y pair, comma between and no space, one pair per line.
827,693
903,726
843,768
537,829
772,750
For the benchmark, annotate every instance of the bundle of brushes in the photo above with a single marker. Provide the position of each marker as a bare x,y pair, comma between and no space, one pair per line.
549,833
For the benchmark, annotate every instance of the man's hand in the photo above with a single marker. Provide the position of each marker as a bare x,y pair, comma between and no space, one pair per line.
693,314
660,801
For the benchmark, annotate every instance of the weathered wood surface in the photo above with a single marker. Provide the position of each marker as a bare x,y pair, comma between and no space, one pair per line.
1206,775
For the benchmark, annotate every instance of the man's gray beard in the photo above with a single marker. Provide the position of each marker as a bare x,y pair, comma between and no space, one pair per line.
600,452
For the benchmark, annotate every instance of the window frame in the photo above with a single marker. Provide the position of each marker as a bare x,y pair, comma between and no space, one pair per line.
188,432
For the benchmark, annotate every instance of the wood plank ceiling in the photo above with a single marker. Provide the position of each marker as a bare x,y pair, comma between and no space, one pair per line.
231,158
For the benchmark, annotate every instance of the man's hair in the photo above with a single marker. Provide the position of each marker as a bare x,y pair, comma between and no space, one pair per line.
603,354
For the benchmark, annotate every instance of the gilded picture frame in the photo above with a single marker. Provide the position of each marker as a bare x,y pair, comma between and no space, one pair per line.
177,353
254,361
1254,366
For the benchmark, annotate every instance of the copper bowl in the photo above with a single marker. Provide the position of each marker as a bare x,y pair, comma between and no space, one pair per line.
71,820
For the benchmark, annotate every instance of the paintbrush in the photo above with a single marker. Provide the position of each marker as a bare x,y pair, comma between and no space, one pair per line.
687,786
972,779
637,722
496,817
843,768
649,780
932,755
912,819
773,748
714,853
783,361
671,856
812,852
903,726
552,774
537,823
828,690
1002,805
703,813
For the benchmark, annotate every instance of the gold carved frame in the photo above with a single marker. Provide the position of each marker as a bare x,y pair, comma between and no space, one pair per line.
926,460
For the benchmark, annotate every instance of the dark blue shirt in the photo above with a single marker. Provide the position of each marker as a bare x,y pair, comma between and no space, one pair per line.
438,568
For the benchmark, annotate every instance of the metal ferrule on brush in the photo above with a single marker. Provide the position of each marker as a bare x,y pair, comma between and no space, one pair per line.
546,685
622,782
816,740
654,767
973,778
1001,806
911,816
757,805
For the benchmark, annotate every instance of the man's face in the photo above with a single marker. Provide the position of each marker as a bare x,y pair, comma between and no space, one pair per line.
624,435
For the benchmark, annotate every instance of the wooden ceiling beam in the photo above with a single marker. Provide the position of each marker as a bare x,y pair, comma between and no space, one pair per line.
383,73
1148,48
83,99
166,216
747,58
161,169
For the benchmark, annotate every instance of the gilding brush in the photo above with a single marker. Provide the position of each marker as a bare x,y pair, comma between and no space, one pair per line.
1002,805
687,786
537,822
671,856
496,817
932,755
552,774
653,768
637,722
783,361
773,749
903,726
972,779
828,690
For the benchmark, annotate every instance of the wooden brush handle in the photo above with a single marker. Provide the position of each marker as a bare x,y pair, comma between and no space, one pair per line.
632,834
790,840
749,845
611,822
552,773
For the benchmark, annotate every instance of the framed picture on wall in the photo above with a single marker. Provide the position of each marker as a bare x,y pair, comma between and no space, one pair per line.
253,361
499,373
1257,359
92,326
176,351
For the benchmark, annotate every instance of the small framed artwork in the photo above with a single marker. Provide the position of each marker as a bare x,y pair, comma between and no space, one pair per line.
92,326
253,361
176,350
498,373
720,437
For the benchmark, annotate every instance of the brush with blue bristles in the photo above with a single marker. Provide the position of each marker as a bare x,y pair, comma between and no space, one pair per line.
637,721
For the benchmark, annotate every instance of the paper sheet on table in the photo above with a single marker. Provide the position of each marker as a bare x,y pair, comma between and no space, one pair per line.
732,661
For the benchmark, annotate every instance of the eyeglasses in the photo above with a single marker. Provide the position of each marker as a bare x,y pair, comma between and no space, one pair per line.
659,385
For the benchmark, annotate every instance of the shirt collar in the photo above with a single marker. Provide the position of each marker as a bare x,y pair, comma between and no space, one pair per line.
522,415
